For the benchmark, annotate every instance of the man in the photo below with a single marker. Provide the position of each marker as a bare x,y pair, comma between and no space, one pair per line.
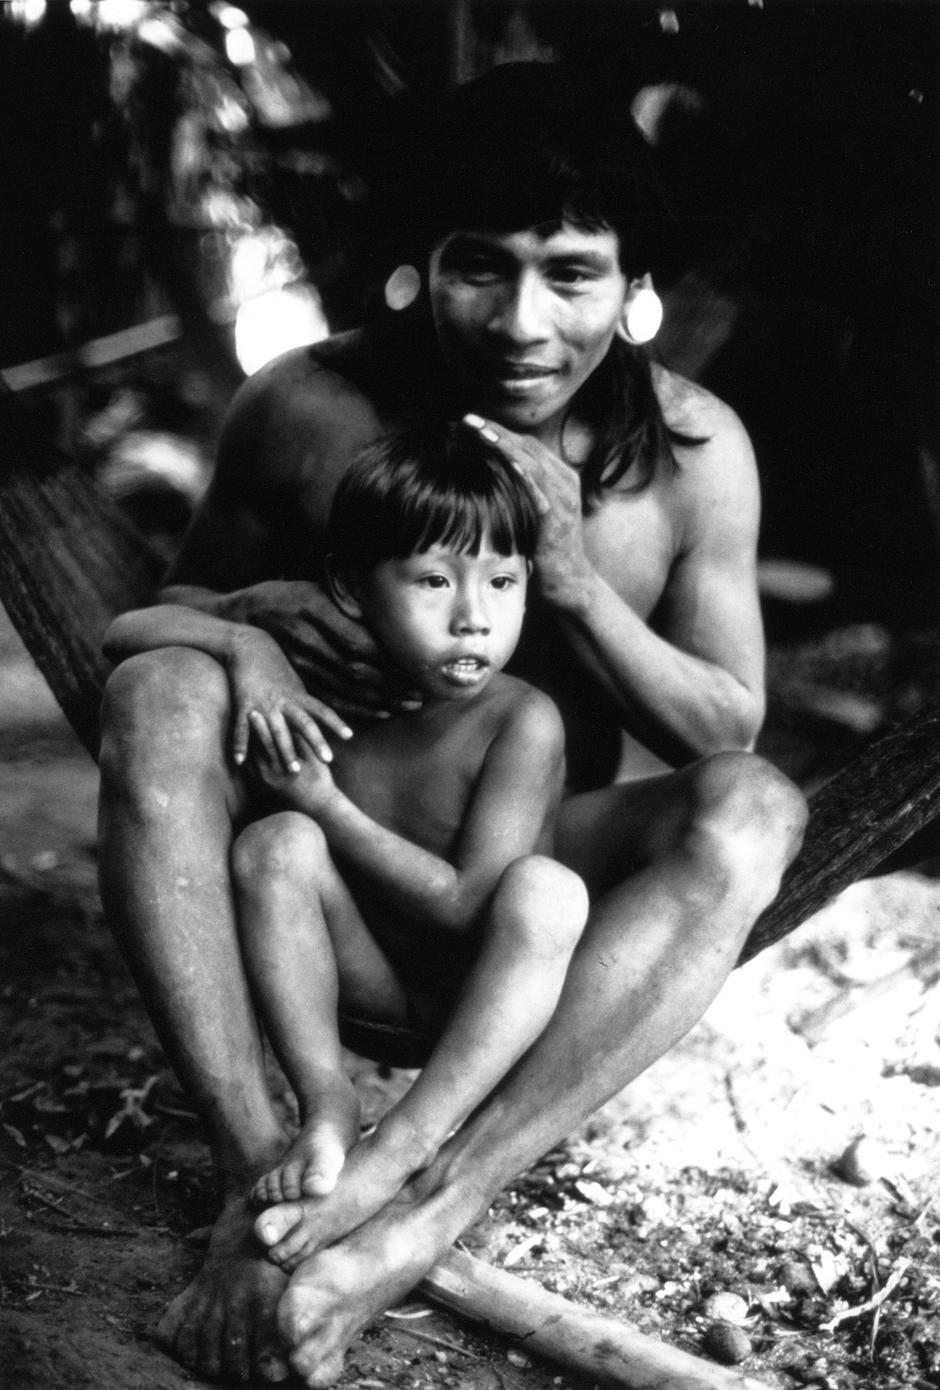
643,625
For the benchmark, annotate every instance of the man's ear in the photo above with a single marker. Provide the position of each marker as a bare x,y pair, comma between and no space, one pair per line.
344,589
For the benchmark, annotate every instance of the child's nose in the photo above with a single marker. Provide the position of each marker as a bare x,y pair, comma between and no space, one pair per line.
470,614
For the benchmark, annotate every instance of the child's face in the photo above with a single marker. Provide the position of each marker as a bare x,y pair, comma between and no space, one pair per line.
448,620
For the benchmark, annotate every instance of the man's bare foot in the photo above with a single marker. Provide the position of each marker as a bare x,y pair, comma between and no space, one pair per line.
374,1174
333,1295
224,1323
313,1161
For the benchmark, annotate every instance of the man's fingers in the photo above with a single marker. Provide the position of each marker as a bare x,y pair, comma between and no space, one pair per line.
325,715
259,727
283,741
240,736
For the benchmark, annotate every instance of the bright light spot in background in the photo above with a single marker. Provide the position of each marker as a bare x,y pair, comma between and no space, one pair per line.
122,14
271,323
239,47
28,12
229,16
80,8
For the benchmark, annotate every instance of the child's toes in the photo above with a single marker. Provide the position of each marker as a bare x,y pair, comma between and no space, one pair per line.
324,1168
291,1180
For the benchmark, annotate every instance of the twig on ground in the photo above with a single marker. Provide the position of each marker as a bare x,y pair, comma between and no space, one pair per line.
438,1342
891,1283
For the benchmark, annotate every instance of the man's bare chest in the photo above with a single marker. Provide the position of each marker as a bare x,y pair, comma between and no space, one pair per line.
631,541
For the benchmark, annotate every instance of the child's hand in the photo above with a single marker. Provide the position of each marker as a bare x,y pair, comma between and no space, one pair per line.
308,784
271,703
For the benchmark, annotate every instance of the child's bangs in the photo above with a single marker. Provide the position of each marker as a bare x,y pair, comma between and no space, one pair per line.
463,519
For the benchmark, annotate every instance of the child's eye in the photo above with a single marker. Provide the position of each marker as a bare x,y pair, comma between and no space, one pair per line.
433,581
503,581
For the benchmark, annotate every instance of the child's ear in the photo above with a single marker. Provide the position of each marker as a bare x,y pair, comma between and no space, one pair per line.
344,589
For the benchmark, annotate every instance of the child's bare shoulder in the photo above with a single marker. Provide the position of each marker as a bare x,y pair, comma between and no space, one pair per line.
529,713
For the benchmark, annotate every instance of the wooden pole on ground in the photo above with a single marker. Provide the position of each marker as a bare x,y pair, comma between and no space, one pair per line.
595,1345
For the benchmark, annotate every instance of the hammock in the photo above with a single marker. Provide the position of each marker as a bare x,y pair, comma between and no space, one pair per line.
70,562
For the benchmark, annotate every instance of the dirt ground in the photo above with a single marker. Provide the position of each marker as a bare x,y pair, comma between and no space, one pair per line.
712,1194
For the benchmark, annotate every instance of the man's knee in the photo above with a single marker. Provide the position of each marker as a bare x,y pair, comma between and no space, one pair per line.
541,903
281,847
164,707
747,804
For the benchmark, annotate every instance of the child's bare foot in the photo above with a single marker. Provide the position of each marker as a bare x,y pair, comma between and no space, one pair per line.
373,1175
312,1163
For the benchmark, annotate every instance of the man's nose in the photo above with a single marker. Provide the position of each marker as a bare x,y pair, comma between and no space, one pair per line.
521,314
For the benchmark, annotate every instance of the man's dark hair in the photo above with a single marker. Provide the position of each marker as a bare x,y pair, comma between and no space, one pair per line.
531,145
427,484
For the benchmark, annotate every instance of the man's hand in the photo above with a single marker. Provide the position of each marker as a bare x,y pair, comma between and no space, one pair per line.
270,702
333,655
564,571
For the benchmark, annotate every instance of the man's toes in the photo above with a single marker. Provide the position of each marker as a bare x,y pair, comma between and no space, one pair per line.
316,1369
296,1246
236,1350
274,1224
296,1319
178,1333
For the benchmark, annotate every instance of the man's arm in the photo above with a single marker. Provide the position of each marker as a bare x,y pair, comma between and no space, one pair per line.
516,793
267,695
691,681
287,427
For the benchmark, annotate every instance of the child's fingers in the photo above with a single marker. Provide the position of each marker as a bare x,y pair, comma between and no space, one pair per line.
309,730
283,742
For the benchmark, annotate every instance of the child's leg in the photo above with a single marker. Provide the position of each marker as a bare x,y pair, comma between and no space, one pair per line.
301,934
536,919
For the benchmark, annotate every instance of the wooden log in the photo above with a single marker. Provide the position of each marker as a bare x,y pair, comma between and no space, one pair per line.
859,818
595,1345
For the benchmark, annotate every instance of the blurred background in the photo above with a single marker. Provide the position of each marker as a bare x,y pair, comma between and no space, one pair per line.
187,188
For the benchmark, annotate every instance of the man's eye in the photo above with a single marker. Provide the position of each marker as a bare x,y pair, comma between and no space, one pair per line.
478,268
571,276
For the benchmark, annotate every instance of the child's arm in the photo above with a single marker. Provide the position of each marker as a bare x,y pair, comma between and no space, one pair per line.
268,697
517,791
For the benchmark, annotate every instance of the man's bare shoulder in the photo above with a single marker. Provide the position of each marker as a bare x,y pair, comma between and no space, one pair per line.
305,386
716,480
691,411
709,441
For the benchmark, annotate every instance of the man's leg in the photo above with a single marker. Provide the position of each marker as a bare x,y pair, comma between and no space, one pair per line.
712,842
167,804
536,917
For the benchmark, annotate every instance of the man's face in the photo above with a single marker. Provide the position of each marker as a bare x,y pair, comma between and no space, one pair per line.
524,318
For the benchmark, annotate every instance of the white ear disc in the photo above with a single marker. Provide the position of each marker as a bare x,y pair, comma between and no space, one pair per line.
402,287
644,315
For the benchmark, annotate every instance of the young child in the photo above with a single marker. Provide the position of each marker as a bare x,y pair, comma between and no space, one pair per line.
407,877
